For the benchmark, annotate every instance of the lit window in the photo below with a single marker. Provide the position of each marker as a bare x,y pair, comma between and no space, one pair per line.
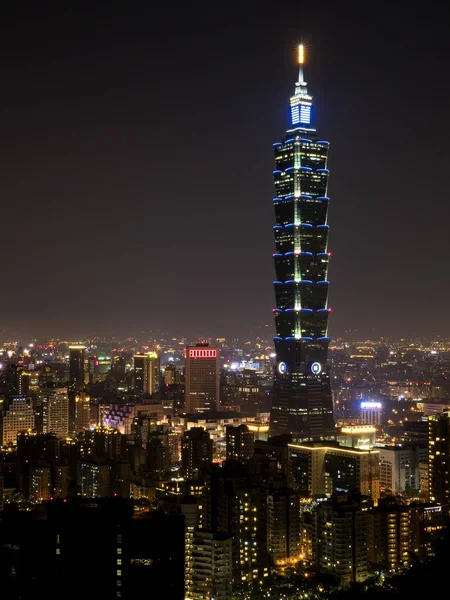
119,561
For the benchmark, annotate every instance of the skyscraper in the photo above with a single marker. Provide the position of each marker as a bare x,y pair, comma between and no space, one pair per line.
302,403
201,378
146,373
76,381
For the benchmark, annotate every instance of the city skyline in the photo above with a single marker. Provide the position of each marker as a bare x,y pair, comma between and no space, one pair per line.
99,181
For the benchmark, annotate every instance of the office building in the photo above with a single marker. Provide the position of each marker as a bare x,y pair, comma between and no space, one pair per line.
201,371
55,411
302,403
439,457
339,544
196,452
371,413
319,469
77,369
283,526
400,468
77,380
17,416
146,373
212,573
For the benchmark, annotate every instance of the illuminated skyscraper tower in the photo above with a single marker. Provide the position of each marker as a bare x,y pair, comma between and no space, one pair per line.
302,402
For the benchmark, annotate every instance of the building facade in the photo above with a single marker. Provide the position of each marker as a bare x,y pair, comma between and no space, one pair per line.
77,380
302,402
340,539
439,457
371,413
196,451
147,373
202,389
283,526
400,468
17,417
55,411
320,470
211,566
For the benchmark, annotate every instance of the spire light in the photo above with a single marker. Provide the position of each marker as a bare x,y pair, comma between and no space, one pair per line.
301,54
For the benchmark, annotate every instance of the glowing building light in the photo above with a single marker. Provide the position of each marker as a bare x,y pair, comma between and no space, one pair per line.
371,404
301,54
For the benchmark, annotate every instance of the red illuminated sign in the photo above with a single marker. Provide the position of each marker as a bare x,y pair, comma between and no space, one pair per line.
203,353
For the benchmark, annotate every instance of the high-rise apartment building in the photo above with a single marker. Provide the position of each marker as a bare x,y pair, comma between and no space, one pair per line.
439,457
302,403
196,451
77,380
211,566
40,483
240,442
18,416
95,479
234,501
389,536
202,390
55,409
146,373
283,526
340,539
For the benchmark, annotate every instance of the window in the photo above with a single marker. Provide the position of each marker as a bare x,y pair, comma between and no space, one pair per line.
119,561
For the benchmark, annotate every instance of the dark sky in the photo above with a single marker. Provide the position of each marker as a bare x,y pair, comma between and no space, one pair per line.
136,188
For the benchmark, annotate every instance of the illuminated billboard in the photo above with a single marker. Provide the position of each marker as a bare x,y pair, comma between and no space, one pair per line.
202,353
371,405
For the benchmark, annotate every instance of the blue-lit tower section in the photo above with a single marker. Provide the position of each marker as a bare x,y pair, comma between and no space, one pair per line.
302,403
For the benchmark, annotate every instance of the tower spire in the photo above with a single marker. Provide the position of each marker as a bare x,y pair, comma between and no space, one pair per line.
301,60
301,101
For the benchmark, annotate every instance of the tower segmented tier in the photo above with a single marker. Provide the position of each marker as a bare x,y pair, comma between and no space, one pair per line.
302,403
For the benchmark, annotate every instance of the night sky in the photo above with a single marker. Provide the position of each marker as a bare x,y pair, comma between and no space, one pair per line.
136,188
